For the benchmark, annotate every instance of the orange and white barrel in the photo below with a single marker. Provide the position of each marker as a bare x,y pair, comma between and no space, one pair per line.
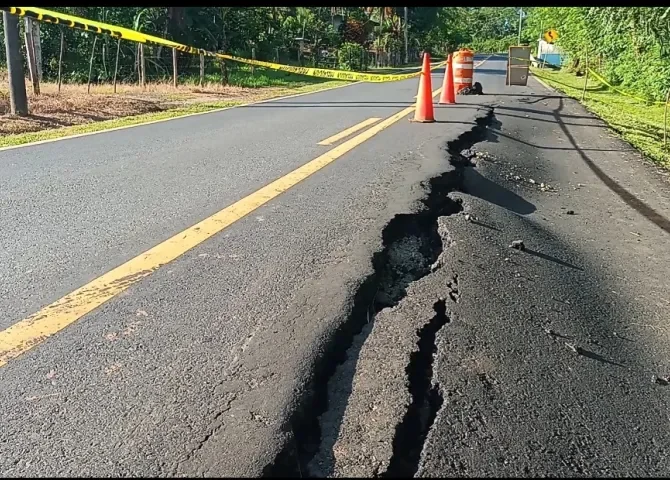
463,69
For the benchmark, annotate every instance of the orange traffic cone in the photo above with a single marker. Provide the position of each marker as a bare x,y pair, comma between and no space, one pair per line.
448,95
424,99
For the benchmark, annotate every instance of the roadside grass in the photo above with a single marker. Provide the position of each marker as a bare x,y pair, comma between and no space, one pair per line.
638,123
74,111
241,76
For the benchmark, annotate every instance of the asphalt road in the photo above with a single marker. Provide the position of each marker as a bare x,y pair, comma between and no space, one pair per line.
198,368
371,320
546,361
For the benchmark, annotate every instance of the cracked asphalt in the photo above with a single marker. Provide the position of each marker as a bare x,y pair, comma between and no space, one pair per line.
196,369
533,362
552,359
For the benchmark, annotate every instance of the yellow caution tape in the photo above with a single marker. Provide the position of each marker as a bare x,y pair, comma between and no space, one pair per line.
618,90
79,23
602,80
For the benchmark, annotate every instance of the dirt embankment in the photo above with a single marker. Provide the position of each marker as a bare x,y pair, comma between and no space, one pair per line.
75,106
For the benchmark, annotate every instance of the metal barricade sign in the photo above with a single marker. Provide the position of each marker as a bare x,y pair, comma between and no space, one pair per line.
518,64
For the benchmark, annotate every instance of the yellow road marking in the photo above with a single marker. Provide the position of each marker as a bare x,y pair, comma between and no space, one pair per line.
345,133
31,331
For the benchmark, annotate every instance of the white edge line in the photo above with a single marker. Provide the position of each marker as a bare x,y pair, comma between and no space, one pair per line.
151,122
541,82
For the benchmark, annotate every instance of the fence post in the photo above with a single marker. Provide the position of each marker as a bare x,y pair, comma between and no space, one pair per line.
202,69
174,67
116,64
137,64
60,57
224,73
586,77
253,57
90,64
30,52
143,68
665,120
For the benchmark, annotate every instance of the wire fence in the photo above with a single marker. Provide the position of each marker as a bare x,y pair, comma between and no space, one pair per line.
64,56
642,120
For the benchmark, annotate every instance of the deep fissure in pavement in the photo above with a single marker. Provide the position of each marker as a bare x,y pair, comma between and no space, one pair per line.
411,244
427,399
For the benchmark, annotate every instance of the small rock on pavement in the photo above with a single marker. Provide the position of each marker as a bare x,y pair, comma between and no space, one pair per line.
518,244
570,212
468,153
661,380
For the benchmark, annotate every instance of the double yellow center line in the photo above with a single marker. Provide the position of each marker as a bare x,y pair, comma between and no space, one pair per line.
30,332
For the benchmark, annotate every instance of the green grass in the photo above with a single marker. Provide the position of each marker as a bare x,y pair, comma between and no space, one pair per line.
240,76
638,123
290,88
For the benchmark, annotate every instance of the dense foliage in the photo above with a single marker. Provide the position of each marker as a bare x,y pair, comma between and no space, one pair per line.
337,37
630,46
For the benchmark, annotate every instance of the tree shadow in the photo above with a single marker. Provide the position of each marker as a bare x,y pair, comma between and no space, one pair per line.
549,120
539,112
49,120
490,71
544,147
538,97
631,200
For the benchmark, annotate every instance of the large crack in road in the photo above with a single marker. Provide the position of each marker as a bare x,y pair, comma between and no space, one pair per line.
412,245
427,400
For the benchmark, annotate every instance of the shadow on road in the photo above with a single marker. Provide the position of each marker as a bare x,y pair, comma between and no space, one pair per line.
485,225
544,256
544,147
481,187
596,357
491,71
539,112
630,199
531,95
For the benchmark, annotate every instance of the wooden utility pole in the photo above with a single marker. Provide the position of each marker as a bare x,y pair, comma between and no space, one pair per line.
18,98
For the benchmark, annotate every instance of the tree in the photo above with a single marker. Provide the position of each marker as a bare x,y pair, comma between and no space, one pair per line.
18,97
